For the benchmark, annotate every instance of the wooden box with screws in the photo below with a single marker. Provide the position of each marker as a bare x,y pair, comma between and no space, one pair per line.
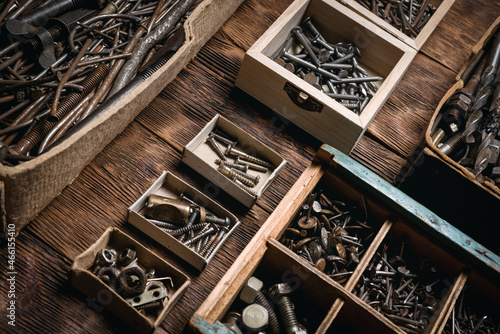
25,189
166,224
395,17
108,290
233,160
408,276
351,80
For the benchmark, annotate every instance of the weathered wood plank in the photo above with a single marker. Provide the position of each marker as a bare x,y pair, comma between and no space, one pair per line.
461,28
206,88
401,121
377,158
251,20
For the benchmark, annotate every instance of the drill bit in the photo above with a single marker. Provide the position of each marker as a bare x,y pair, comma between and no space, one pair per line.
491,125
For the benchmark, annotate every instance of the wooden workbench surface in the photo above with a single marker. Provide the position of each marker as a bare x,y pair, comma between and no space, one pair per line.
100,195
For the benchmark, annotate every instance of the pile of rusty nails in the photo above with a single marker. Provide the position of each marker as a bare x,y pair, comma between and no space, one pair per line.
469,126
140,286
406,293
193,225
408,16
237,170
331,68
330,235
465,319
60,60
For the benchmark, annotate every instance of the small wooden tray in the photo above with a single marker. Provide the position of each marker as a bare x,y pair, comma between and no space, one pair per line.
171,186
200,156
103,296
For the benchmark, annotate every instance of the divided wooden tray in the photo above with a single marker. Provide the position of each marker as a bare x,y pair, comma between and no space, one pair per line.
461,259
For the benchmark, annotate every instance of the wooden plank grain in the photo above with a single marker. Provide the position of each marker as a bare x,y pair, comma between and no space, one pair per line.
401,122
206,88
251,20
377,158
461,28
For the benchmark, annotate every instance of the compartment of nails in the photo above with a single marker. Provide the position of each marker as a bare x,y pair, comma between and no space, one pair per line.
403,285
408,16
330,233
280,297
475,311
331,66
142,287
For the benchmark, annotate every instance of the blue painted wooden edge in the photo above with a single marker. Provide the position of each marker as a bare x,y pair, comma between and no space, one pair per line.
411,210
204,327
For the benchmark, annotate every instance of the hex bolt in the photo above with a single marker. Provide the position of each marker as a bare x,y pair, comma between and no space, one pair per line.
243,168
251,165
216,147
244,156
255,318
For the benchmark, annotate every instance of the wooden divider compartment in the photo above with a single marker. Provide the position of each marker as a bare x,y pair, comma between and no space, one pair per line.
426,234
312,295
27,188
333,124
481,294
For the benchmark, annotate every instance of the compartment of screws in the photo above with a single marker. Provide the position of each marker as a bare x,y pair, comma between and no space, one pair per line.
233,160
182,219
282,296
120,274
331,234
